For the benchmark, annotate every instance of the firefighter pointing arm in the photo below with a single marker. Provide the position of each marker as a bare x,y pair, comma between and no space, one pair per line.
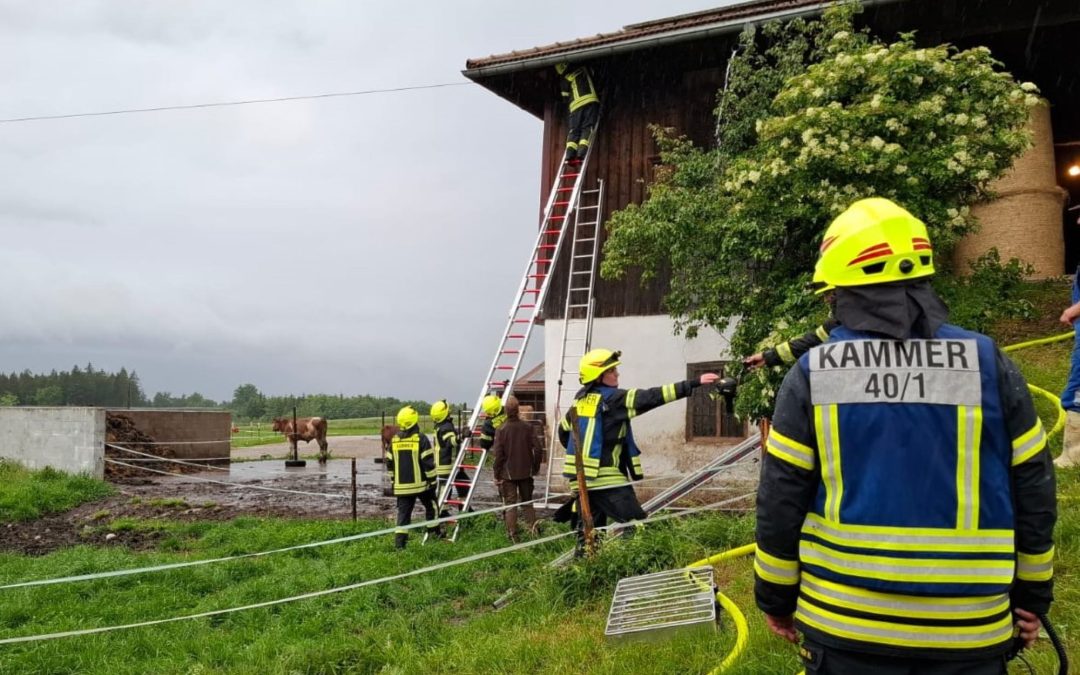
907,500
610,455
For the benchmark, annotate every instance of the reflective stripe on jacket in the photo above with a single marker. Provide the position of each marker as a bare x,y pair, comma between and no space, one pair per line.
446,441
577,88
603,416
907,496
411,462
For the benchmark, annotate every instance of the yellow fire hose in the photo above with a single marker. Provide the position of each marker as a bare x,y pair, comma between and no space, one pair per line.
742,632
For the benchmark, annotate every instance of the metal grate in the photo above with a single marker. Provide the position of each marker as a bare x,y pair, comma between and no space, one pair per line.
665,601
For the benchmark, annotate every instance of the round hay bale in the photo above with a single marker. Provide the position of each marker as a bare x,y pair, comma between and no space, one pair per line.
1024,221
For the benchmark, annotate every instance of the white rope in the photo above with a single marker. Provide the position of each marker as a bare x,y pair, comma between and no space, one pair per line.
241,486
281,601
361,584
227,440
168,459
327,542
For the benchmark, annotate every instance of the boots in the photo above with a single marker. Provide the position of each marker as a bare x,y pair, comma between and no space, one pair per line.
1070,451
400,539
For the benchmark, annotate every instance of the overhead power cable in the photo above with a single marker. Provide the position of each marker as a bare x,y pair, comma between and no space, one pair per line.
223,104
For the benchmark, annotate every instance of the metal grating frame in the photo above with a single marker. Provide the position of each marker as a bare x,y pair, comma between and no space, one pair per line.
665,601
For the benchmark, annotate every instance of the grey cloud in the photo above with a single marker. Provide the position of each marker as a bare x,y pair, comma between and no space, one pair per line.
366,244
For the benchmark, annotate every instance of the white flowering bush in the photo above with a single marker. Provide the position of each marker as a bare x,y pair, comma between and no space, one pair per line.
817,116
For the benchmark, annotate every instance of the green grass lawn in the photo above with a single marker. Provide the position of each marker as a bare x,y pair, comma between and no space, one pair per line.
26,495
260,433
437,623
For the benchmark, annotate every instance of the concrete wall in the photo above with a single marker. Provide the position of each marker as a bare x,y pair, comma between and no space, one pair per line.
65,438
185,425
652,356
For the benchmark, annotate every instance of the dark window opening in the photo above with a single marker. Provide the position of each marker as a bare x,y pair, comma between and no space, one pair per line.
705,417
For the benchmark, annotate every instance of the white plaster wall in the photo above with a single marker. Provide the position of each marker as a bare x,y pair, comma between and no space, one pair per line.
70,439
652,355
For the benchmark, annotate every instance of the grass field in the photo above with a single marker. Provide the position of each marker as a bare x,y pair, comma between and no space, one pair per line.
441,622
26,495
261,433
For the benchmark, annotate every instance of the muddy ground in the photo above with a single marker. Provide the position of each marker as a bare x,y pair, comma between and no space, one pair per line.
314,491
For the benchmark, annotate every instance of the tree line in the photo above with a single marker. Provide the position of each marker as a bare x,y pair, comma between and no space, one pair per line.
93,387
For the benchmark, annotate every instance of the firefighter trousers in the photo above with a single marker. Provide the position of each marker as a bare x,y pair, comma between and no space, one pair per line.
822,660
405,505
582,121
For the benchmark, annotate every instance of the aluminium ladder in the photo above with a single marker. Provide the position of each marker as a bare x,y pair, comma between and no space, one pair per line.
559,213
578,310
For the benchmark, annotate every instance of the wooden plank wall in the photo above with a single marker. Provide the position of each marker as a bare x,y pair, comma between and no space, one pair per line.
641,89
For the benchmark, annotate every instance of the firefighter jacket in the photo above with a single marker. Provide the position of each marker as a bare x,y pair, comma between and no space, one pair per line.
411,462
907,497
577,88
610,456
446,443
491,425
787,353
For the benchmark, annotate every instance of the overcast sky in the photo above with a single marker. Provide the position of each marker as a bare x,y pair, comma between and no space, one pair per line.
369,244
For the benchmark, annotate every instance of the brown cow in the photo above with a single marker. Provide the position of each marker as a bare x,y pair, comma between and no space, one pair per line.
310,429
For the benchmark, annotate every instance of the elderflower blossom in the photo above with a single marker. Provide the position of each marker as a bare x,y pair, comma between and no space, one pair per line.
877,143
1028,86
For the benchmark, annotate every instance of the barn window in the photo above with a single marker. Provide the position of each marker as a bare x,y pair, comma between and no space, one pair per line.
706,418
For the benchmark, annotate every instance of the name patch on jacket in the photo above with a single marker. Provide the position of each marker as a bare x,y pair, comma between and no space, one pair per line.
896,371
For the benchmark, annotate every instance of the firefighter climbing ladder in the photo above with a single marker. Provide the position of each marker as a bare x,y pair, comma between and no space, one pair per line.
560,213
577,312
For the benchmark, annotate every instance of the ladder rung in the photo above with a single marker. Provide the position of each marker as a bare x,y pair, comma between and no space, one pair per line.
585,255
467,466
455,502
582,272
537,276
552,231
571,175
547,246
504,367
515,337
561,203
526,306
542,261
529,290
564,189
510,351
588,239
556,217
461,483
578,306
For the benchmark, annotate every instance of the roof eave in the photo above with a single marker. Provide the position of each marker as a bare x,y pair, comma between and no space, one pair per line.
644,42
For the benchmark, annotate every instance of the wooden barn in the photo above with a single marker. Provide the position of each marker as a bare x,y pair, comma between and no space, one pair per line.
668,72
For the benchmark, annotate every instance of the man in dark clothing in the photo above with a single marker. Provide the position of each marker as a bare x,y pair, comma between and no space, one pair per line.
411,463
517,459
907,501
579,93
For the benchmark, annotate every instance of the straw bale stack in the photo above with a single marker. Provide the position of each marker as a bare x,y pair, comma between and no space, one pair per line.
1025,220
